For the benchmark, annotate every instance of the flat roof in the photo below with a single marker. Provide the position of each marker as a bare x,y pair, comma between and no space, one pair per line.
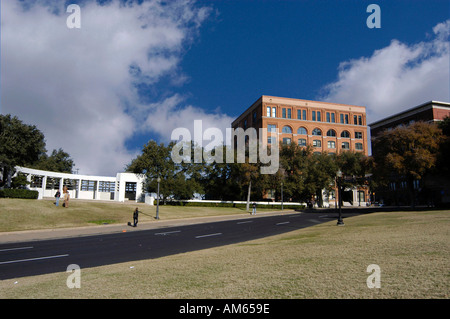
411,111
301,103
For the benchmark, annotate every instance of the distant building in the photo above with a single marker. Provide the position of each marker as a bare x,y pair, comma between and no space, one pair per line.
432,111
433,190
327,127
122,187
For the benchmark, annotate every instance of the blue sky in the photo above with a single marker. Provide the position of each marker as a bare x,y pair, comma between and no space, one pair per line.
100,92
292,48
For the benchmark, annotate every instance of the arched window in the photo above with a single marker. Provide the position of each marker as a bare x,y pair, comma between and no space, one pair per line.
331,132
345,134
302,131
286,129
316,131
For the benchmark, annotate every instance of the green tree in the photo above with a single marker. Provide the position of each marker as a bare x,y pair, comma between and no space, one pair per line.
406,153
58,161
20,145
179,181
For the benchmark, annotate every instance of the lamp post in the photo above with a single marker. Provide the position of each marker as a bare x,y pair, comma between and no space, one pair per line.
281,195
157,199
340,222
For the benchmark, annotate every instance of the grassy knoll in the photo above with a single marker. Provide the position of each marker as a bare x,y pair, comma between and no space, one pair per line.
324,261
22,214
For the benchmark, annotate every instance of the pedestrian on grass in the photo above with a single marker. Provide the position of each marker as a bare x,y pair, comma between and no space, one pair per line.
135,217
57,196
66,196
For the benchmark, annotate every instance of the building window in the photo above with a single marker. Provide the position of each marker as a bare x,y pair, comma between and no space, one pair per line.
316,131
355,120
87,185
271,128
289,115
313,115
344,118
301,142
268,111
283,113
286,129
36,181
106,187
359,146
286,141
333,120
345,145
331,144
317,143
318,116
270,139
345,134
359,120
358,135
328,118
274,112
301,115
302,131
331,133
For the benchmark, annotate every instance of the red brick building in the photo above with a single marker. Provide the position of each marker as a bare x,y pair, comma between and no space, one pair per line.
328,127
432,111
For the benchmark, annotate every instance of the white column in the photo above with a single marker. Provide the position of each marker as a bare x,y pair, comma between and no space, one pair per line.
355,196
44,184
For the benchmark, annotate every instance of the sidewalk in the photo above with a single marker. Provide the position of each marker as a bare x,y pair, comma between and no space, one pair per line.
46,234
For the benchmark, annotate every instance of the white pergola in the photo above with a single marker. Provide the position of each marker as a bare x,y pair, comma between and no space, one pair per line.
124,186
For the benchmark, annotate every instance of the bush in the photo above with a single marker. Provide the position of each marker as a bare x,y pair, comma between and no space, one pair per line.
18,193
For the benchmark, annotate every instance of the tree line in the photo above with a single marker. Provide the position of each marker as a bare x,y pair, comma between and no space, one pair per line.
409,153
302,173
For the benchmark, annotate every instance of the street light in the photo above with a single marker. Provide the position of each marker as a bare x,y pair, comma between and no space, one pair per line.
281,195
157,199
340,222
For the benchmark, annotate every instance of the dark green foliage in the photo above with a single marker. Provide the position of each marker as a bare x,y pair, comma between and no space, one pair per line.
18,193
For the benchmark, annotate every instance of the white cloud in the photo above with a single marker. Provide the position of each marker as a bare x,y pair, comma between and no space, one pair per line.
76,85
166,116
396,77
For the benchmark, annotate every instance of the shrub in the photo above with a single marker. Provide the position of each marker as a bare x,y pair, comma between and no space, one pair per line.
18,193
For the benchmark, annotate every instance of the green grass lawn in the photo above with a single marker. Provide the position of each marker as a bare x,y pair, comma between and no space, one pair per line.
22,214
323,261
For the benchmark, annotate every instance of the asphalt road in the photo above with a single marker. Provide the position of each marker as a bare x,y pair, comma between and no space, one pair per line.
21,259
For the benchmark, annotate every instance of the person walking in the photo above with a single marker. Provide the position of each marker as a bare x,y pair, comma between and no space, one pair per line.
254,208
57,196
135,217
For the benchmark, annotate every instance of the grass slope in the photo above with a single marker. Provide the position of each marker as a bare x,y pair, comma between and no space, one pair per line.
324,261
